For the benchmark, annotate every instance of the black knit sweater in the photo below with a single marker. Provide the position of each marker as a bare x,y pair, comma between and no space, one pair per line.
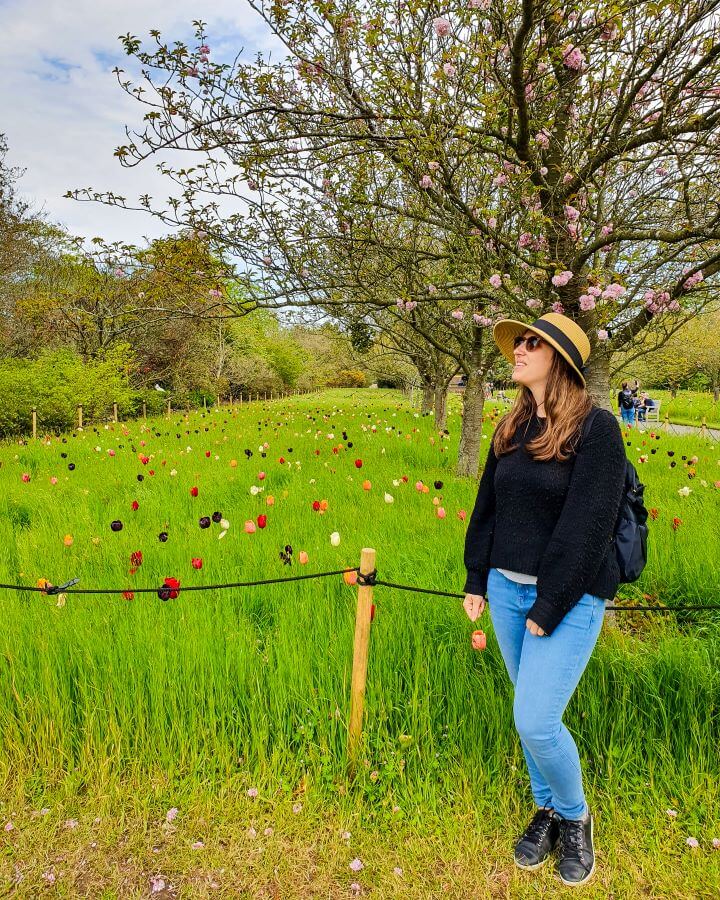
551,519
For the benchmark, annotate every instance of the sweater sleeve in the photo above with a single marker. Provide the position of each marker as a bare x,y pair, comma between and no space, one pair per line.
481,528
586,525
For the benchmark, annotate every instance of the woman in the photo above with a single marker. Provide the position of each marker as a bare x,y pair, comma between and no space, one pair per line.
540,546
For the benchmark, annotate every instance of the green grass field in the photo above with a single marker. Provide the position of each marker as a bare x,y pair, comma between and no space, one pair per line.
231,707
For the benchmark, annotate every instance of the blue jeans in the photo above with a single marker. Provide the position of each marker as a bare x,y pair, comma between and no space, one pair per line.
545,670
627,416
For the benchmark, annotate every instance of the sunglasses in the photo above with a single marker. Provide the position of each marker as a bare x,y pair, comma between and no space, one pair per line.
531,343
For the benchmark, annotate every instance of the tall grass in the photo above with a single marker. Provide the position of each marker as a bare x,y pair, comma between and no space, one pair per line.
219,684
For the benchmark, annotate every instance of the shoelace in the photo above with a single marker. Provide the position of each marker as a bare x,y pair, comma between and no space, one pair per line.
572,836
539,825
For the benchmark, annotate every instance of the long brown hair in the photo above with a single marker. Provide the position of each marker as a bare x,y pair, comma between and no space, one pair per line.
567,403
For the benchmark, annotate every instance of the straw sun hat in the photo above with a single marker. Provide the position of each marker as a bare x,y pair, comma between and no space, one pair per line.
561,332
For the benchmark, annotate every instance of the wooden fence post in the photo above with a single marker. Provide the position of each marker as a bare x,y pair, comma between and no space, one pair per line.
144,410
80,416
115,416
703,427
360,659
667,422
34,421
168,409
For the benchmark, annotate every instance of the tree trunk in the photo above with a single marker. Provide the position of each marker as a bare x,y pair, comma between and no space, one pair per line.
440,406
471,432
597,377
428,398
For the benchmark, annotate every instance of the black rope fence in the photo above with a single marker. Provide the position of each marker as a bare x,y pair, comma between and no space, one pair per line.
368,579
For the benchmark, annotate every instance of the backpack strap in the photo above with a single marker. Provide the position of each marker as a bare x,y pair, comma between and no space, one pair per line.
587,424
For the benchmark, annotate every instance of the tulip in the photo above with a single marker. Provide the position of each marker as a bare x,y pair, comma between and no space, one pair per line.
135,506
196,562
350,577
358,464
303,558
441,512
216,516
425,489
262,521
68,540
335,538
233,464
193,492
261,476
479,641
367,485
389,498
462,515
250,527
162,537
116,525
26,477
270,500
418,485
204,521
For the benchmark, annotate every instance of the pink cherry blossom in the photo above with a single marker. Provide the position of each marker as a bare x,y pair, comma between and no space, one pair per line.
543,139
602,334
525,239
557,307
533,303
594,290
481,320
573,58
562,278
492,222
567,178
500,180
495,281
457,314
586,302
441,26
571,214
449,69
426,182
433,165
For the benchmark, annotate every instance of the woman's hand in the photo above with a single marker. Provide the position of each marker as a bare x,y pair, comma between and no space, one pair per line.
534,628
474,605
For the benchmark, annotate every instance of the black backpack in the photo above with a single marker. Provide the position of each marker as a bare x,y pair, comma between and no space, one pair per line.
627,401
631,531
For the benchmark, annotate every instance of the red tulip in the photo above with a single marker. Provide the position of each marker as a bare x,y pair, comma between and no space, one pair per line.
173,587
358,464
281,460
136,558
193,492
262,520
135,505
316,505
372,611
128,595
196,562
207,454
479,641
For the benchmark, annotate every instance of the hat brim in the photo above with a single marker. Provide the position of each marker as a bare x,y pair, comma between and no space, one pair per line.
505,332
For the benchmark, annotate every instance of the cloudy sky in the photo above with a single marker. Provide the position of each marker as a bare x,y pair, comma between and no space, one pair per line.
64,112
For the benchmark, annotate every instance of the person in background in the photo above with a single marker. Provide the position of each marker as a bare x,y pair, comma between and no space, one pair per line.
643,403
626,402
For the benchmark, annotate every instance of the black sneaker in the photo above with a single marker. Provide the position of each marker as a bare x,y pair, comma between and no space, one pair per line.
576,860
538,840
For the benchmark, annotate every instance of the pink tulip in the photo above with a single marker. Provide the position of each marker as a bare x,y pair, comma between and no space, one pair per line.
441,512
303,557
250,527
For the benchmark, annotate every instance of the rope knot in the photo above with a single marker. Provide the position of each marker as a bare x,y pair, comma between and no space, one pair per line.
367,580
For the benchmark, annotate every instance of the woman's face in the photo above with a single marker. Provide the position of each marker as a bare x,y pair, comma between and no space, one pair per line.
532,366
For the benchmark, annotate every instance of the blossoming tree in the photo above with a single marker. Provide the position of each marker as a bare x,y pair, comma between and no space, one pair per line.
574,151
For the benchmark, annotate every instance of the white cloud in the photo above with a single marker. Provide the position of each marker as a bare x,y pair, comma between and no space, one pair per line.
64,112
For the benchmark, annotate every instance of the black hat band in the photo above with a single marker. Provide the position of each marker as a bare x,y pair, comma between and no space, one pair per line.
560,338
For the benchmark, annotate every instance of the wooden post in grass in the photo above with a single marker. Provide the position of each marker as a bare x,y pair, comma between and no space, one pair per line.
115,418
34,421
144,410
360,658
218,401
168,409
667,422
80,418
703,427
